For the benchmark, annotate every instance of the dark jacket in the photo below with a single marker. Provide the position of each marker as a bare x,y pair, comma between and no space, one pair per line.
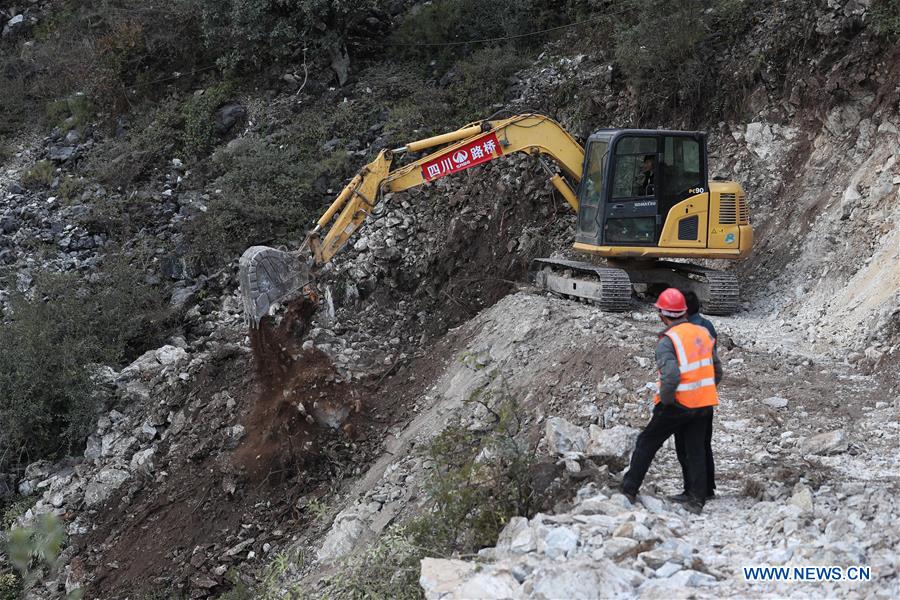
697,319
667,363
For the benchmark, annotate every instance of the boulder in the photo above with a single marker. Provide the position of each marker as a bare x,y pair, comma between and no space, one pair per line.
598,579
170,355
776,402
830,442
143,459
802,498
228,116
61,153
517,537
103,485
448,579
563,436
559,542
615,442
145,363
342,536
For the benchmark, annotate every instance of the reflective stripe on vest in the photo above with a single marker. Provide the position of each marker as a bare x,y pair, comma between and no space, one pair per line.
694,350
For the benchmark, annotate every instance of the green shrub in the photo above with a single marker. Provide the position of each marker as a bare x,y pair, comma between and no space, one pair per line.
41,173
34,551
266,196
666,51
885,17
73,112
10,586
154,139
70,188
482,81
478,480
199,136
455,21
47,399
248,34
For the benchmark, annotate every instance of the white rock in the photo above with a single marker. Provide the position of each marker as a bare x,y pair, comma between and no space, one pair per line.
147,432
93,449
616,546
692,579
448,579
143,459
598,579
654,505
830,442
802,498
145,363
776,402
518,536
103,485
615,442
342,536
633,530
667,570
170,355
559,542
563,436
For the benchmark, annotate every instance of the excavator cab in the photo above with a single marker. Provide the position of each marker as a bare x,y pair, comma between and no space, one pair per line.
634,179
647,193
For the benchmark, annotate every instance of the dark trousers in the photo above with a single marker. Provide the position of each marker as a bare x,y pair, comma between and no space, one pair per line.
665,422
710,467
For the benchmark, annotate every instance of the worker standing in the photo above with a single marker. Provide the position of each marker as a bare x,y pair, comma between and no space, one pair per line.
688,372
694,316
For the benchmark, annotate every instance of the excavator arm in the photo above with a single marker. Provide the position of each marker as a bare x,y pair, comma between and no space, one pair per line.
268,276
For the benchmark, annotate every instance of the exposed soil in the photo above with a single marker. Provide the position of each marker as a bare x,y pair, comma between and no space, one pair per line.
300,401
166,537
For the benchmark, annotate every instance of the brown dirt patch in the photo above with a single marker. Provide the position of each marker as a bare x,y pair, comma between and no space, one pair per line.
169,535
300,400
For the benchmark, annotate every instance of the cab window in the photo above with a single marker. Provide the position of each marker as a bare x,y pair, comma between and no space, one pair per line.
595,171
635,170
681,166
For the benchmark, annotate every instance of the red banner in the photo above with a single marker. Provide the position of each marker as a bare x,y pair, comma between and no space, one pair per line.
474,153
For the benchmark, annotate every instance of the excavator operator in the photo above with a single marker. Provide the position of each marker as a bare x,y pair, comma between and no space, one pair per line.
645,183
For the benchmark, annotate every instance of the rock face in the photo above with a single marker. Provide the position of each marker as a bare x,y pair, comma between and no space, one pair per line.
342,536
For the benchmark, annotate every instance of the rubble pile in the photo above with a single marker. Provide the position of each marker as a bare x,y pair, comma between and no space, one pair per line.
799,482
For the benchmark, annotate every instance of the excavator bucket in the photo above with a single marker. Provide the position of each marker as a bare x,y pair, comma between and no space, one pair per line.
269,276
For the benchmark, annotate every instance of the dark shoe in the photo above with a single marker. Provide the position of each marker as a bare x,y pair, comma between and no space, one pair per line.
683,497
693,507
632,497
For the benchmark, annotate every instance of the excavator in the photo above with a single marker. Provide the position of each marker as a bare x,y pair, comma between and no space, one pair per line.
643,198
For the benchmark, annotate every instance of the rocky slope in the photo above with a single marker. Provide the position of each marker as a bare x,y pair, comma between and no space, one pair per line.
201,474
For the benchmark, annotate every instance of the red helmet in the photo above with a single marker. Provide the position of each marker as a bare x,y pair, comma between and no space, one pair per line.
671,303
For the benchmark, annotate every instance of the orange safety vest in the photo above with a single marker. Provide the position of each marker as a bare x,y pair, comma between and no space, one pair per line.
694,349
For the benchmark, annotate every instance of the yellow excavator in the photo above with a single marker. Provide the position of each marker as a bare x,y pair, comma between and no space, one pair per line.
643,197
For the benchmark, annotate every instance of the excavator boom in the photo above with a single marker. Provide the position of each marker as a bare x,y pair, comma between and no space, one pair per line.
269,276
624,214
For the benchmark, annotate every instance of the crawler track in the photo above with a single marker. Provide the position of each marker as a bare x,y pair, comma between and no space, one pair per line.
608,288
